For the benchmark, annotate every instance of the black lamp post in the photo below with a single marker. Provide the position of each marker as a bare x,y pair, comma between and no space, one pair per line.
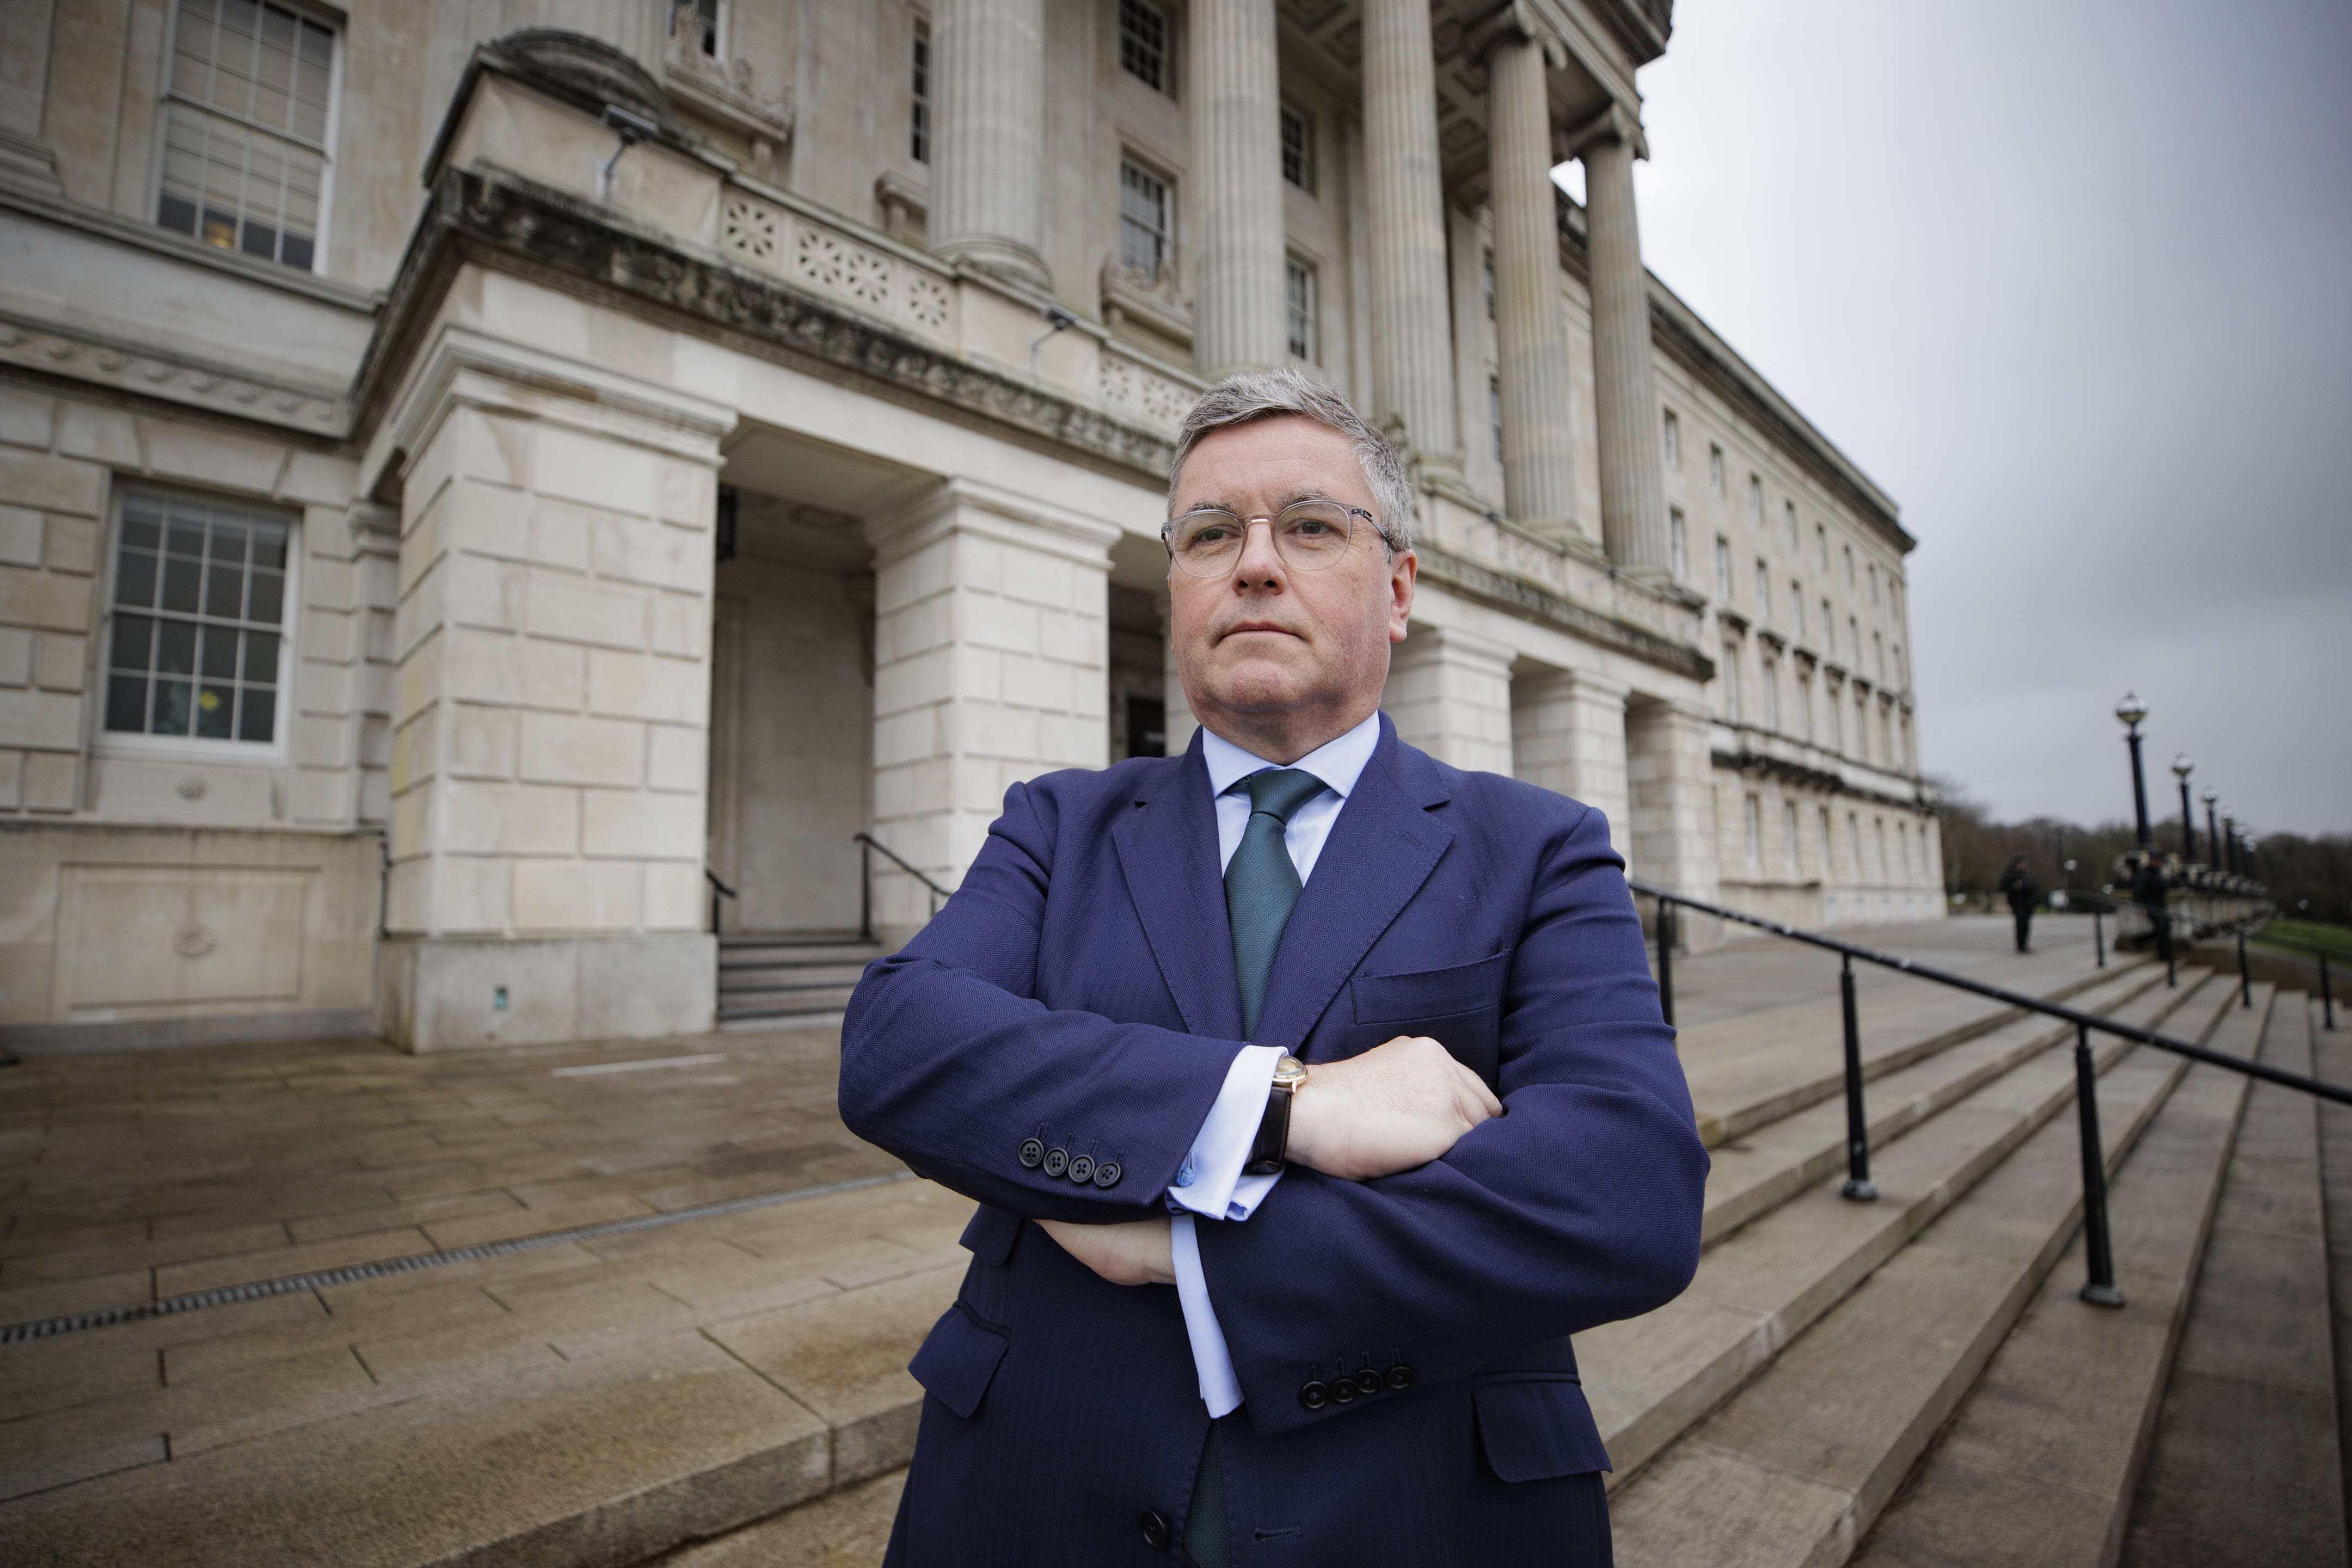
2181,766
2130,711
2230,844
2213,836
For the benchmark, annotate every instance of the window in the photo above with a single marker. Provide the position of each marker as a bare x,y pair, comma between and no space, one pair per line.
1790,509
1494,413
1143,221
1849,566
922,127
1854,844
1878,654
1829,631
1788,835
1805,706
198,645
1797,608
705,21
1674,440
1755,830
1298,150
1903,843
1887,756
1874,588
1822,538
1862,726
1715,469
1771,695
1143,43
1885,866
1902,682
245,137
1490,284
1763,591
1755,503
1678,542
1731,682
1837,725
1298,303
1824,825
1723,569
1853,642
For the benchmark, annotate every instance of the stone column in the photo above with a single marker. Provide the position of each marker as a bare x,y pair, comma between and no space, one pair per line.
1412,346
1626,395
987,157
1670,786
990,666
1530,333
1236,258
1568,732
1450,694
550,705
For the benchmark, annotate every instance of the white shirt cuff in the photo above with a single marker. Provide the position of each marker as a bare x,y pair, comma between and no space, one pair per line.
1221,1390
1210,1182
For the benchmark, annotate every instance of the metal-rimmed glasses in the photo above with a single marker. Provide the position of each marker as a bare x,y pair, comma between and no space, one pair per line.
1309,536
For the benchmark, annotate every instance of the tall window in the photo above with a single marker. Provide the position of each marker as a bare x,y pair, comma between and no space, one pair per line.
1489,265
1674,440
1854,844
1885,866
1298,301
1494,413
1763,591
1849,566
1862,726
1837,727
1822,538
1824,826
1797,608
244,135
1678,541
1829,630
1788,835
1755,503
1143,43
1143,221
1771,695
1805,706
1731,682
1755,832
1723,569
1902,682
1715,469
922,126
1878,655
1874,588
1853,643
1788,509
702,16
199,645
1298,150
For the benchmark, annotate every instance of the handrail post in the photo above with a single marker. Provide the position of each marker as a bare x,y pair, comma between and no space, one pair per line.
2245,975
2326,996
2171,965
865,889
1667,961
1857,1125
2100,1291
2099,933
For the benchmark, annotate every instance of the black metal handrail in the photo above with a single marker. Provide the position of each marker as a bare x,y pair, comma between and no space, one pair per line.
2101,1290
718,888
867,844
2326,989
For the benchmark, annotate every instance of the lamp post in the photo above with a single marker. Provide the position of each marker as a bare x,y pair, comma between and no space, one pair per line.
2213,837
2181,768
2129,712
2230,844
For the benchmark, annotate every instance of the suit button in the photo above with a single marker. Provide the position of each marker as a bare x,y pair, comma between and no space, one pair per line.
1056,1161
1314,1394
1082,1168
1367,1381
1032,1153
1343,1390
1106,1175
1156,1535
1399,1376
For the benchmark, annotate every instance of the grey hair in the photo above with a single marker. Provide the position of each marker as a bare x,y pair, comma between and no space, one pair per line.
1262,394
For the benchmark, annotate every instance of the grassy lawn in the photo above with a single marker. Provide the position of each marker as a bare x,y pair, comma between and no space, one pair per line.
2336,939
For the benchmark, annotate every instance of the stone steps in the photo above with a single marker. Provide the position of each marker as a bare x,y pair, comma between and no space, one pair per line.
782,976
1800,1461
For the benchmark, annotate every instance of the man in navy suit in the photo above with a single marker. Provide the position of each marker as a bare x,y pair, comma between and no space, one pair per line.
1313,1091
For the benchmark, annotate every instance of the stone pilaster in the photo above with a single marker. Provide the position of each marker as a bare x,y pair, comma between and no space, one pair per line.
1626,395
987,157
1412,343
1670,786
1568,732
1236,263
24,155
1530,333
990,666
549,704
1450,694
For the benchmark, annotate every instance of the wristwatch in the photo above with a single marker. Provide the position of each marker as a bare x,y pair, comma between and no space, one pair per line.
1273,1140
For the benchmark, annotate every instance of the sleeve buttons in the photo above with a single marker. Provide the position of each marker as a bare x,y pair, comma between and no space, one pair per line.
1367,1381
1056,1162
1033,1152
1106,1175
1313,1394
1082,1168
1399,1376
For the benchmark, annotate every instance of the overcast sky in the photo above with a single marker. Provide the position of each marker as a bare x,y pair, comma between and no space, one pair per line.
2073,283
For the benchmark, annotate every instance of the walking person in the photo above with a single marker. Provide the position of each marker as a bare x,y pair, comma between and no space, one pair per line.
2017,886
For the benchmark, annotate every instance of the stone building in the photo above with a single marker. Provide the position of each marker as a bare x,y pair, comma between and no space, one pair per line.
464,485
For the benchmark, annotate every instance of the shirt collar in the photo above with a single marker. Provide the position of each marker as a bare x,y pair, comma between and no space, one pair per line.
1339,762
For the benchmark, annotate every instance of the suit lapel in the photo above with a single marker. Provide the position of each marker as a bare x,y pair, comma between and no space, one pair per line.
1167,841
1381,848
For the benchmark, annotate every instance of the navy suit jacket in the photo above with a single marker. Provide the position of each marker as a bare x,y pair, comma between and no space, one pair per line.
1078,990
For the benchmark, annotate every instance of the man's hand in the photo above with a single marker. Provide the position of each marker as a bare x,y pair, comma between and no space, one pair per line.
1394,1107
1135,1253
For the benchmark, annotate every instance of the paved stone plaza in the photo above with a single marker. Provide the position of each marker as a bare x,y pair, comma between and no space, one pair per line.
639,1389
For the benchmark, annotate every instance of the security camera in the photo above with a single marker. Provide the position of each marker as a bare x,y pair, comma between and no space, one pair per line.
633,128
1058,316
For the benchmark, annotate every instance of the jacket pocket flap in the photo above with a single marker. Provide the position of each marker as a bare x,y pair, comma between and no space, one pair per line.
1537,1428
991,1235
957,1360
1430,993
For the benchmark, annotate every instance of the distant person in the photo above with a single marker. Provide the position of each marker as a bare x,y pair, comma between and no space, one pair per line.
2017,884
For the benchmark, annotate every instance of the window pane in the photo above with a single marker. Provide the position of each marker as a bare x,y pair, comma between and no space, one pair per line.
173,707
126,703
297,252
266,605
134,580
261,657
219,661
255,723
176,648
182,579
176,213
270,549
134,643
215,712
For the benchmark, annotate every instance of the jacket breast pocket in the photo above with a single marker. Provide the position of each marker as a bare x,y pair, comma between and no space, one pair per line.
1460,1007
959,1360
1534,1428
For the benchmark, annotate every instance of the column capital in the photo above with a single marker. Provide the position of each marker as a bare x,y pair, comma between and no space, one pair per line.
1513,22
974,505
1615,124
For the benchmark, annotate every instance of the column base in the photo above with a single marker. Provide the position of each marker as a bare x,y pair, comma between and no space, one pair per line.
1000,258
441,993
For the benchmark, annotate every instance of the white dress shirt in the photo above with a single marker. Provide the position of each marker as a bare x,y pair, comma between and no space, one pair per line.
1210,1183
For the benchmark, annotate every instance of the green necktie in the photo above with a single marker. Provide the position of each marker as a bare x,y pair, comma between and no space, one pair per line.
1261,889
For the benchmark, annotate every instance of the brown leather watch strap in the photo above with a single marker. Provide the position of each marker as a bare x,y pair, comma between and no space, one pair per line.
1273,1141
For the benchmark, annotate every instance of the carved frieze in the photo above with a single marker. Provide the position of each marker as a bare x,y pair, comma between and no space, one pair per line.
152,374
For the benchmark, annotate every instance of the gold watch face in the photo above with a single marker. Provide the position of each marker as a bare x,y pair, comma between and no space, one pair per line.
1289,1072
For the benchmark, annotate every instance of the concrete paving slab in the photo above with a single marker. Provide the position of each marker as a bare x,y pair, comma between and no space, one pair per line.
848,1529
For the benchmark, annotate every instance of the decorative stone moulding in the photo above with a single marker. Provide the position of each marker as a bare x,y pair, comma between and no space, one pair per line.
726,90
1137,390
835,264
153,375
1156,303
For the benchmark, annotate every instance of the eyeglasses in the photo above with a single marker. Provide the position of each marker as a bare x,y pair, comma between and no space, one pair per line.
1309,536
